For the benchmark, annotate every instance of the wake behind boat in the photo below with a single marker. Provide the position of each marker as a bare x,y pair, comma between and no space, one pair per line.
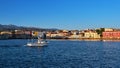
41,41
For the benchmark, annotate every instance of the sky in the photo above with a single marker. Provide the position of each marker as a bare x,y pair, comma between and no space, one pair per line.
61,14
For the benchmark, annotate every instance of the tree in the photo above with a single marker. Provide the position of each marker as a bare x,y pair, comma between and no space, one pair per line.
99,31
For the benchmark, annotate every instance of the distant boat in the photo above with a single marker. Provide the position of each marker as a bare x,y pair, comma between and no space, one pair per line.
40,42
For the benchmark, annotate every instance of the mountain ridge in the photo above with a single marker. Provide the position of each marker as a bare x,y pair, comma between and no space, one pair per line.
15,27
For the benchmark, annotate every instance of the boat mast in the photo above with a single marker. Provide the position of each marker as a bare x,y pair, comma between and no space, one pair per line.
40,34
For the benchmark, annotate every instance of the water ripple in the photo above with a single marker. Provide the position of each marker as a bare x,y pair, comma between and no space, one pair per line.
60,54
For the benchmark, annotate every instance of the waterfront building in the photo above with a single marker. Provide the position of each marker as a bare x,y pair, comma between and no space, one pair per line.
57,35
91,35
28,32
22,34
74,32
111,34
74,36
108,29
65,31
17,32
81,34
5,32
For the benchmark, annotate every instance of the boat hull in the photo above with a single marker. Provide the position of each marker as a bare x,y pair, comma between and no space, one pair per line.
36,44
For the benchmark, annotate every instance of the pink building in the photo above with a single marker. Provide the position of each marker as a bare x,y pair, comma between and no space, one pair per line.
111,34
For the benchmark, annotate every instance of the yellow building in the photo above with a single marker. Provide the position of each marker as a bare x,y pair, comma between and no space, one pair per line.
5,32
91,35
74,36
108,29
55,35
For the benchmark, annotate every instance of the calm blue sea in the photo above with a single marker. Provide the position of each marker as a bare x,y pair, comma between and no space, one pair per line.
60,54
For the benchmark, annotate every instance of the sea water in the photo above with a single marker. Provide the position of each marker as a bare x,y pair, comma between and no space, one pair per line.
60,54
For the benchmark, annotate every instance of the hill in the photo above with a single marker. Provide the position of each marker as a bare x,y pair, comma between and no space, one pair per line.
14,27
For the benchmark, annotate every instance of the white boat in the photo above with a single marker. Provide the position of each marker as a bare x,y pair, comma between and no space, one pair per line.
41,41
